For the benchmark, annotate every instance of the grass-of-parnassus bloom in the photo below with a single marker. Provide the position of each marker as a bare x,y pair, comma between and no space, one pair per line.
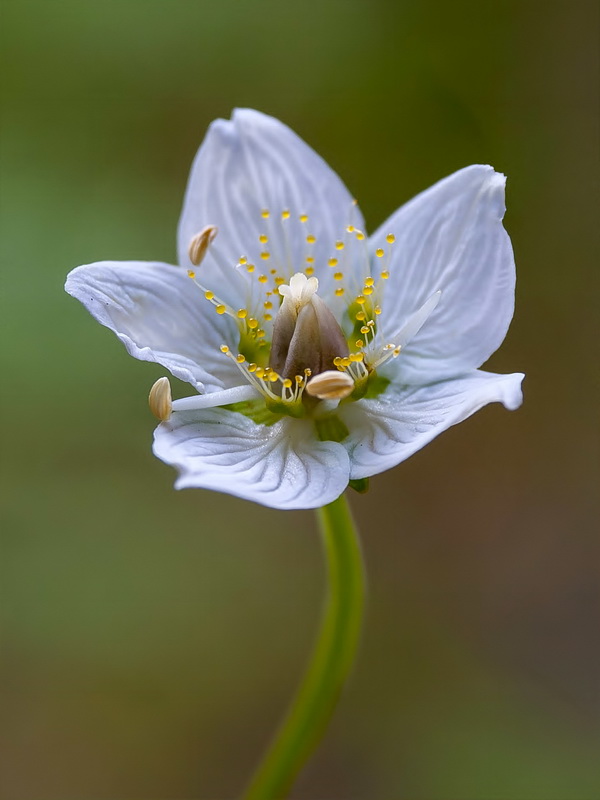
318,355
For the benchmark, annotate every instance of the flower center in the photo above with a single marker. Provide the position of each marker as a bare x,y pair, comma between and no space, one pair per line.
288,335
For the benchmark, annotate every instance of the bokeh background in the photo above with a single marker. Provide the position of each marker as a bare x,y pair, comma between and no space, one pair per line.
151,639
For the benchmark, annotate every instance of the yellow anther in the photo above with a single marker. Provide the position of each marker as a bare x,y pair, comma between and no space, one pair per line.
242,313
287,384
310,259
268,304
339,292
385,275
260,333
299,379
240,358
273,271
361,316
337,361
379,252
260,372
262,279
390,238
369,281
345,361
273,376
224,348
311,239
365,329
377,310
209,295
360,300
368,290
359,343
332,262
396,352
307,372
263,238
250,268
243,260
356,357
285,214
338,276
220,309
265,255
191,273
279,280
350,228
339,245
303,217
252,367
268,317
360,235
265,213
252,323
309,271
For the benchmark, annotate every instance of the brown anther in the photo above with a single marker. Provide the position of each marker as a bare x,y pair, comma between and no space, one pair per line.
200,243
160,399
330,385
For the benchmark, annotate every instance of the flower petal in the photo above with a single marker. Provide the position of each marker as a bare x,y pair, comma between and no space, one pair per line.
253,163
450,238
389,429
159,315
282,465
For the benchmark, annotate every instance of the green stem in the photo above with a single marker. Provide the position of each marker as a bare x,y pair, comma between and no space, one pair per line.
331,660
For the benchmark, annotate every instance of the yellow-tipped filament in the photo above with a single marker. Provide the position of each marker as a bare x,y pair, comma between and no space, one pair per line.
355,290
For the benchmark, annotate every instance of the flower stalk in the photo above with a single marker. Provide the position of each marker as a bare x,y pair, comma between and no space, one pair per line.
331,661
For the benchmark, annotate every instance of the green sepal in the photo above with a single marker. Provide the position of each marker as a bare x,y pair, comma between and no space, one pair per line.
256,410
376,385
360,485
331,429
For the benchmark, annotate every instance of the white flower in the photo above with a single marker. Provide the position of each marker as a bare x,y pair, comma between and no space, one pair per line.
287,320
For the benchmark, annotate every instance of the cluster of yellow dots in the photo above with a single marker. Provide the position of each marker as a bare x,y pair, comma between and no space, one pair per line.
271,280
263,377
342,362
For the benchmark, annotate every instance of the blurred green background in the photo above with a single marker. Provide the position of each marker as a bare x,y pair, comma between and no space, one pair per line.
151,639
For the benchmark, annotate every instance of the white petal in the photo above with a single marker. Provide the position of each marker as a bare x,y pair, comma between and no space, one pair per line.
450,238
282,465
251,163
159,315
389,429
415,322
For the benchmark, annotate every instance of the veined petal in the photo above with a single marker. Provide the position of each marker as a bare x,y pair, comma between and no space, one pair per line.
450,238
159,315
282,465
253,164
389,429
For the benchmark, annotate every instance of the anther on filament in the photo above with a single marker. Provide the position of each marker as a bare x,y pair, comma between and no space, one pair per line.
200,243
160,400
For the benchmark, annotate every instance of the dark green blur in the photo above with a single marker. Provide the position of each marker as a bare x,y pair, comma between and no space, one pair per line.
151,639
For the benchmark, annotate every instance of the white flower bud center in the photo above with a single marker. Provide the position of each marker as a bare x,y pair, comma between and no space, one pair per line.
299,291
